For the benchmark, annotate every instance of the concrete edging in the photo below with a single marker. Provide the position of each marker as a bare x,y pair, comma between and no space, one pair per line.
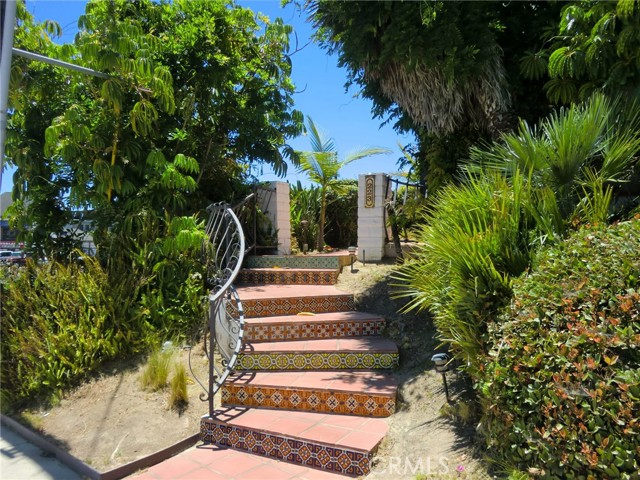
69,460
85,470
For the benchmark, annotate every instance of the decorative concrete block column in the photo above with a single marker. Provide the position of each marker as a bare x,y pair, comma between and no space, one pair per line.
275,205
372,235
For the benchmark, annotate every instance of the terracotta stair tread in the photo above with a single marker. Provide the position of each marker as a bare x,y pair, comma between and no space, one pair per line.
355,433
351,316
347,381
331,345
255,292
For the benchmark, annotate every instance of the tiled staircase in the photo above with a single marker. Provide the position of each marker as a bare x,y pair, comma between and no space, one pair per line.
311,385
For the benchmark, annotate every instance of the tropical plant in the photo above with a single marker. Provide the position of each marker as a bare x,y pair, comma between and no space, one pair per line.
194,93
305,207
577,160
418,62
322,166
35,100
596,48
139,139
474,239
397,51
529,189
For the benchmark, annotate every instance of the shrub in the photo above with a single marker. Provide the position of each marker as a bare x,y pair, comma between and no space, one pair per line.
531,188
562,378
162,261
59,323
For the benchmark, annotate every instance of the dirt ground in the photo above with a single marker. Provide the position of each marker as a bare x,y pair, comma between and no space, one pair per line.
111,420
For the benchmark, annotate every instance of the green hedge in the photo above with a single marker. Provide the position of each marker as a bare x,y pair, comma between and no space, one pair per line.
562,379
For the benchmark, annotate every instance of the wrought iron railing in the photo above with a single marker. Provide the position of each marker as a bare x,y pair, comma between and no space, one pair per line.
246,213
251,214
396,203
223,254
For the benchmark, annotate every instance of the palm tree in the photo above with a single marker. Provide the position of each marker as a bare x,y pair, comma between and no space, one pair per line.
322,167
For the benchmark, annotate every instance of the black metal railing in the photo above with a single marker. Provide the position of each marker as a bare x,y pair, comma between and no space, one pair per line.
396,202
223,253
246,213
251,213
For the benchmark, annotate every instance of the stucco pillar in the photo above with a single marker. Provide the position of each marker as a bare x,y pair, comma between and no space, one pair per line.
277,210
372,235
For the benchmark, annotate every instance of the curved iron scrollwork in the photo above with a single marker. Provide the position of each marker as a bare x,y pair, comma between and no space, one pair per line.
223,254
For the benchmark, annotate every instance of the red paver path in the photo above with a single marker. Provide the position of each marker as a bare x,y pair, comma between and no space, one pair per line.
210,462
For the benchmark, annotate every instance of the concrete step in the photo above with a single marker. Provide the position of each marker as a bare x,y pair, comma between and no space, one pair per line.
288,276
334,443
279,300
364,393
325,354
307,327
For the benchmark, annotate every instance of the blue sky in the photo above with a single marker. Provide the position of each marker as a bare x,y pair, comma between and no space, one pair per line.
320,91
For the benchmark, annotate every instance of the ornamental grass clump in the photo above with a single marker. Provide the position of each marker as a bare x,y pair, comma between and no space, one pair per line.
156,373
178,396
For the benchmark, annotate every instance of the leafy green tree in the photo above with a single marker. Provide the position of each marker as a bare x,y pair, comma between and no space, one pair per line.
322,166
597,47
446,71
35,100
196,92
233,91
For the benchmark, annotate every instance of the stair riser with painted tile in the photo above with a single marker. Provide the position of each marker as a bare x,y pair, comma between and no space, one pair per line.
266,307
304,399
309,261
327,457
288,277
300,330
317,360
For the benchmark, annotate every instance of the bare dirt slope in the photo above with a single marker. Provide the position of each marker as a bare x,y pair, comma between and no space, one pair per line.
111,420
423,439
